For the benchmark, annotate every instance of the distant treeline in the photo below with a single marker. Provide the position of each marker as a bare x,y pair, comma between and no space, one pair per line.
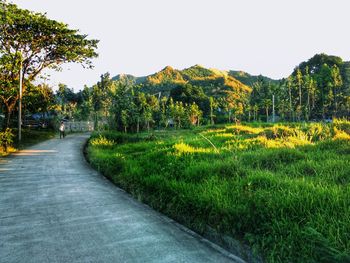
318,89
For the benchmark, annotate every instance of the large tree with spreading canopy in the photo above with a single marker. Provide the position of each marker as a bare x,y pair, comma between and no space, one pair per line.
38,43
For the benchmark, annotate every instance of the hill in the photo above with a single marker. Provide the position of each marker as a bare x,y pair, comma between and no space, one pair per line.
213,82
129,78
248,79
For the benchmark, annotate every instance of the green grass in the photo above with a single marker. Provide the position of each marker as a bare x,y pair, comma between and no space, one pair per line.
283,190
31,137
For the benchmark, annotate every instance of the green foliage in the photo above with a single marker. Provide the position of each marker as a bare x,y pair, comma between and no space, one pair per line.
250,80
186,93
101,142
6,139
35,42
31,137
342,124
281,189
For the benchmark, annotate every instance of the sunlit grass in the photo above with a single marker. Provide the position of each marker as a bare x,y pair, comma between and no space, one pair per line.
283,189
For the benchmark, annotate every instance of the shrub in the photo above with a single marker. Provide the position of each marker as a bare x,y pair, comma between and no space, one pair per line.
343,125
241,129
319,132
102,142
117,137
340,135
6,139
278,132
183,148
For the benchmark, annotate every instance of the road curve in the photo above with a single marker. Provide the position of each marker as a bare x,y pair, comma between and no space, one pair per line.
55,208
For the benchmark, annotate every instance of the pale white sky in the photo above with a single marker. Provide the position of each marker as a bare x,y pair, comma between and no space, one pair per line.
141,37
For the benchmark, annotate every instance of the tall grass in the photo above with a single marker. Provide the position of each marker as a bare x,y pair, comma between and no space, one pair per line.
284,191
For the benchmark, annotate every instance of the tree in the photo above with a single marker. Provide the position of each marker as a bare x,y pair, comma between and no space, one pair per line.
38,99
151,106
96,99
124,119
267,104
36,42
66,97
327,84
194,113
187,93
163,112
140,102
299,85
255,111
337,82
85,106
177,111
234,104
290,100
213,104
107,87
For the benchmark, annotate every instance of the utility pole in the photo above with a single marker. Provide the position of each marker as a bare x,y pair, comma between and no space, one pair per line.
20,102
273,108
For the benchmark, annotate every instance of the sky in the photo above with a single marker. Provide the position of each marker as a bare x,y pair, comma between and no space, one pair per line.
140,37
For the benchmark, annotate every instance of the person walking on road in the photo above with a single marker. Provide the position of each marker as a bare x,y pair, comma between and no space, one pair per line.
62,128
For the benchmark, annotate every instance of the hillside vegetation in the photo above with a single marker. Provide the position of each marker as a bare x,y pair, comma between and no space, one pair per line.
251,80
212,81
282,189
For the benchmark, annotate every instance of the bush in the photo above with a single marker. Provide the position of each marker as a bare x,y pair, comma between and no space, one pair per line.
6,139
278,132
343,125
102,142
319,132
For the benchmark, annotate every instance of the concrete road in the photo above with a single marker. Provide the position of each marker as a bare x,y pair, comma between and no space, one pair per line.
55,208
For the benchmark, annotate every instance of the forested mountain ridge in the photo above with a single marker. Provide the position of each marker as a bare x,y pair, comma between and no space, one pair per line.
129,78
249,79
212,81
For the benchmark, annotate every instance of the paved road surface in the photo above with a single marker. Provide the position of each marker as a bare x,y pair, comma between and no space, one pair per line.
55,208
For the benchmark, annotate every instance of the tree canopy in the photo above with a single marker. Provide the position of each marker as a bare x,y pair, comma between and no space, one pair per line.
36,42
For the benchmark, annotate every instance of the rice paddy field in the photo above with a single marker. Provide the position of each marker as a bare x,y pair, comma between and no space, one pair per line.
283,189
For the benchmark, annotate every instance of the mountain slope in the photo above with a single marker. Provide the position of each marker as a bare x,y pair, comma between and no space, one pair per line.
166,75
129,78
248,79
213,82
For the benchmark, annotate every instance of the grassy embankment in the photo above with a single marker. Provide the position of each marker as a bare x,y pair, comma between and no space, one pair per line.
284,190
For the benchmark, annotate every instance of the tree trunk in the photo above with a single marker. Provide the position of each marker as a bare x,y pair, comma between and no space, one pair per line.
138,125
7,120
308,106
290,104
95,122
267,114
8,112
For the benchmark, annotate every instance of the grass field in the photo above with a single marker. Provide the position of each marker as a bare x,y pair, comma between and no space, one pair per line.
282,189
